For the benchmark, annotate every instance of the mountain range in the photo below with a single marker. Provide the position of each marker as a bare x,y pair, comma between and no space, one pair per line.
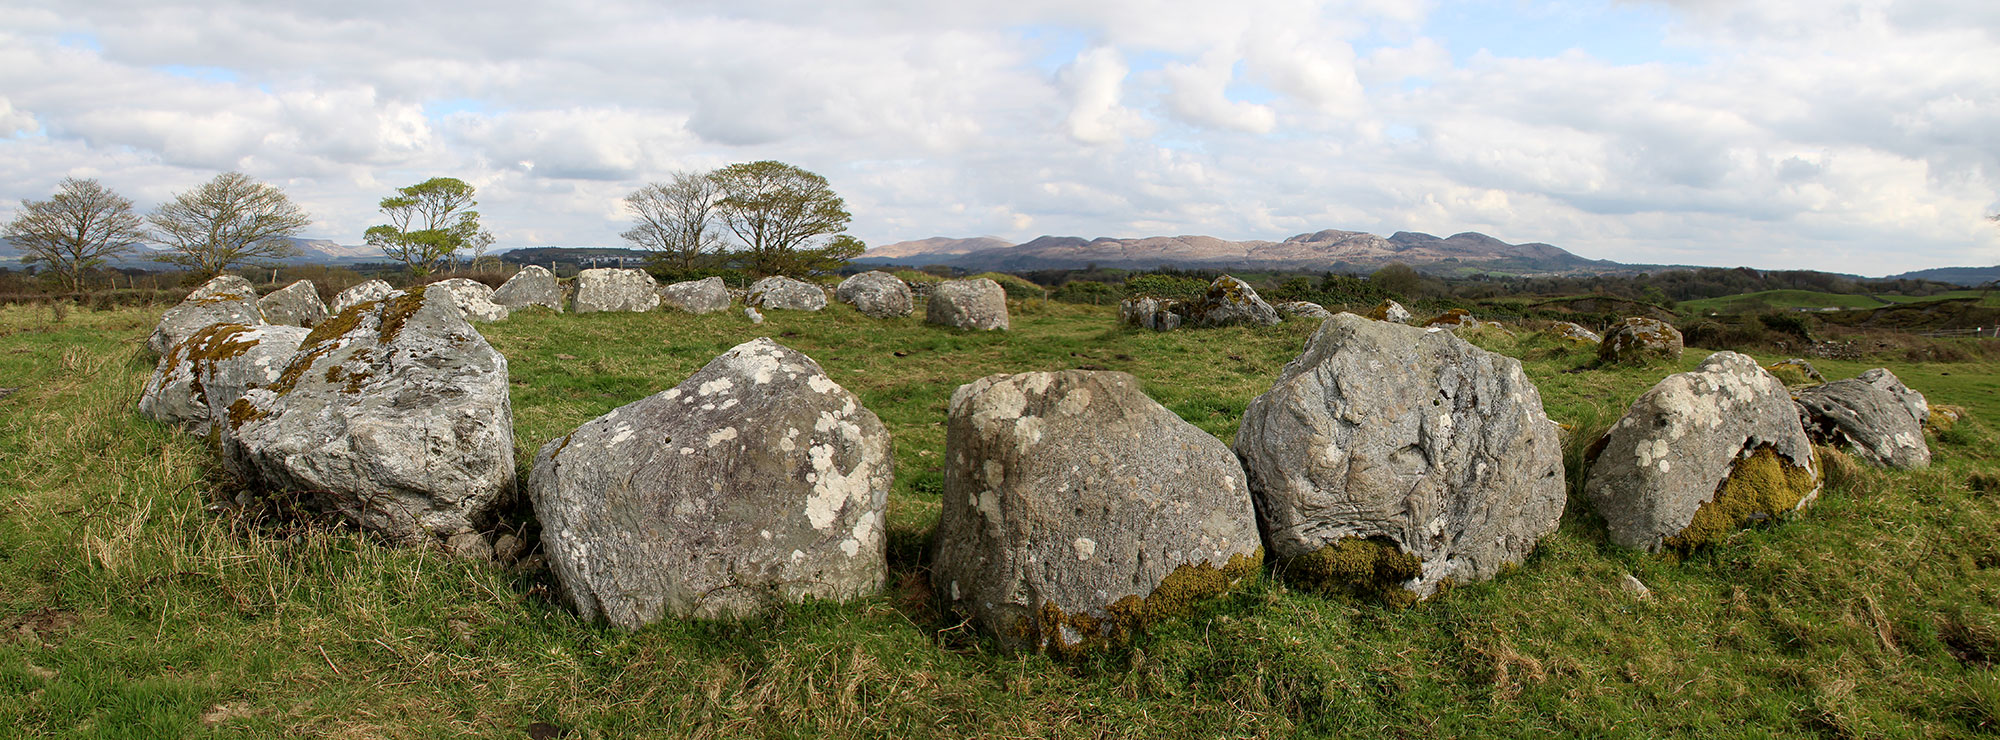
1331,249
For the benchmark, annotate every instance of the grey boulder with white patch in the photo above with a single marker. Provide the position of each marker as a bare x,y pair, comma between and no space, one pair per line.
224,299
757,481
359,293
1874,415
1384,431
196,381
605,289
472,298
1302,310
533,285
297,304
1231,302
785,294
876,294
977,304
707,295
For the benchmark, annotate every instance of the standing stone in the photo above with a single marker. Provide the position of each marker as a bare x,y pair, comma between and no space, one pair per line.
1639,339
1701,454
297,304
1390,311
197,380
616,289
393,415
1158,314
1796,371
1076,510
977,304
876,294
533,285
1388,458
372,290
1302,310
1574,333
707,295
224,299
1231,302
785,294
1875,415
756,481
472,298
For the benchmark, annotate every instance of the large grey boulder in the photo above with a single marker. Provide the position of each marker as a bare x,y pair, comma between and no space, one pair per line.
1701,454
1639,339
472,298
224,299
1391,458
876,294
393,414
372,290
1302,310
785,294
756,481
1076,510
977,304
1147,312
1875,415
616,289
533,285
1390,311
196,380
707,295
1231,302
297,304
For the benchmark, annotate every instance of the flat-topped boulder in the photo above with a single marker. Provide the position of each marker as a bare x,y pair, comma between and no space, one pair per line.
359,293
785,294
224,299
1874,415
1230,302
602,289
1390,311
1077,510
196,380
297,304
471,297
707,295
1158,314
1388,459
1302,310
756,481
1574,333
1700,455
978,304
876,294
533,285
393,415
1454,318
1639,339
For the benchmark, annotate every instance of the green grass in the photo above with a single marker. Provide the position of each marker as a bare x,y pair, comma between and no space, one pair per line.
1768,299
128,610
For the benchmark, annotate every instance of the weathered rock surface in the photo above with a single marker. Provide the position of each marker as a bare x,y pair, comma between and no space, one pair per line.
1453,319
755,316
1407,452
785,294
472,298
1701,454
372,290
533,285
978,304
757,480
1076,509
297,304
1640,339
393,414
1390,311
876,294
616,289
1874,415
1158,314
197,380
224,299
1796,371
707,295
1302,310
1231,302
1574,333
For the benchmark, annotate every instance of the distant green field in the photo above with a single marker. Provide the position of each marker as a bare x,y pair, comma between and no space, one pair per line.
1768,299
1991,298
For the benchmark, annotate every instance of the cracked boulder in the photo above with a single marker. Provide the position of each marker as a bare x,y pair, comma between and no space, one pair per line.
1077,510
1388,459
1639,339
757,481
197,380
1158,314
707,295
359,293
224,299
1230,302
602,289
876,294
785,294
1874,415
472,298
1700,455
393,415
533,285
297,304
976,304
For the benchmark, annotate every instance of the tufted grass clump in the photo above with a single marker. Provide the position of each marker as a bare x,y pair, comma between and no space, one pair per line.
1373,568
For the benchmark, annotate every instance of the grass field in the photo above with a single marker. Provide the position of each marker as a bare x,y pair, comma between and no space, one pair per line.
128,610
1768,299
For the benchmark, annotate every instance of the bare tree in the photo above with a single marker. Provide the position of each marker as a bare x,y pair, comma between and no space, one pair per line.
75,230
676,219
228,221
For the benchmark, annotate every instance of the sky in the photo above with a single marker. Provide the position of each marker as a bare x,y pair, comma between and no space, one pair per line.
1846,135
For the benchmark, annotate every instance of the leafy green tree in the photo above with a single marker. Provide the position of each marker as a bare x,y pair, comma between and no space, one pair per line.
776,209
228,221
430,223
676,220
75,230
1398,279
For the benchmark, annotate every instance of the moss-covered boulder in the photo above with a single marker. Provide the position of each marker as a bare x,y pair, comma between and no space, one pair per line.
1638,340
1157,314
1230,302
1390,311
1795,372
224,299
1701,454
196,381
1875,416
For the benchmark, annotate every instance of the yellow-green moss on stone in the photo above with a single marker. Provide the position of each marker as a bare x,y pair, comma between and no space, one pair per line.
1761,486
1069,635
1360,567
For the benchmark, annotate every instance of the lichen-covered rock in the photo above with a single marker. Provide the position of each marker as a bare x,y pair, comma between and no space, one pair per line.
1874,415
978,304
1795,372
472,298
707,295
533,285
393,415
616,289
1077,510
1574,333
755,316
1231,302
372,290
785,294
1453,319
1701,454
1638,339
196,381
876,294
756,481
1390,311
224,299
297,304
1158,314
1391,458
1302,310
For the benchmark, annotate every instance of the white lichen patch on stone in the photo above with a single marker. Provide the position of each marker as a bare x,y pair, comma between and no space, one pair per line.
1076,401
718,385
832,488
821,384
1028,429
721,435
1085,547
